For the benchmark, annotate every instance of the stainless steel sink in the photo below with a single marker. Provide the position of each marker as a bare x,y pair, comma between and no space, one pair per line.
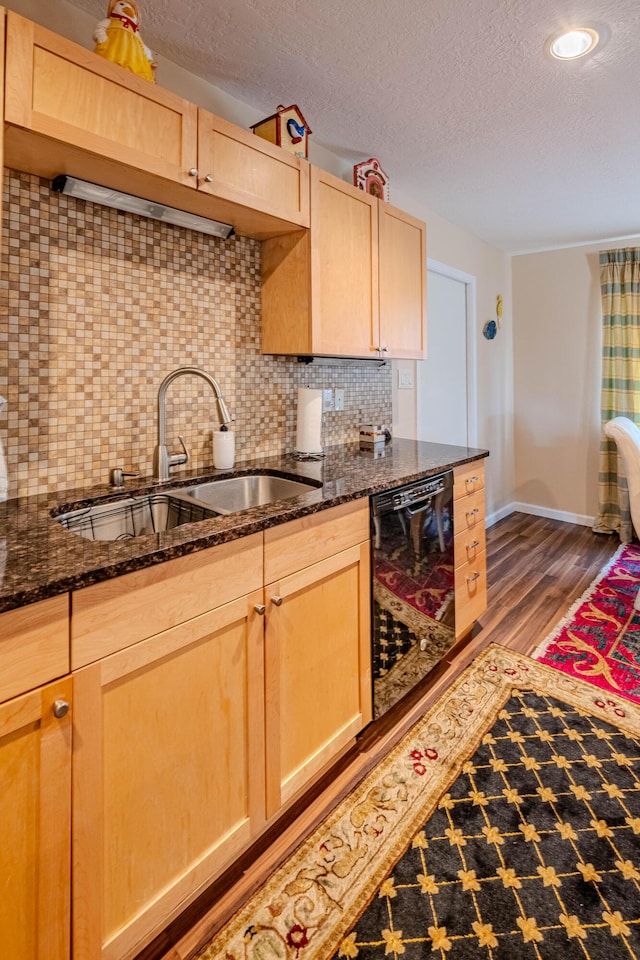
133,517
241,493
140,516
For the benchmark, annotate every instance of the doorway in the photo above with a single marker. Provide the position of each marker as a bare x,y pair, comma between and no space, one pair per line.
445,382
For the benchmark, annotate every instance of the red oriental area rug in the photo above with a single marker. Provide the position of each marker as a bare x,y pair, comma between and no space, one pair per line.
599,639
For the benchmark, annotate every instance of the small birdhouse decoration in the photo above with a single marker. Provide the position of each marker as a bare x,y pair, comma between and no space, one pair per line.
286,128
118,39
370,177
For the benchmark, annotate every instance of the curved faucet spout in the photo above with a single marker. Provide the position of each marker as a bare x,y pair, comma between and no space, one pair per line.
162,459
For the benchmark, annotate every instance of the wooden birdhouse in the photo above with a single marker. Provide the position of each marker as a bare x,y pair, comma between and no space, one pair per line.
286,128
370,177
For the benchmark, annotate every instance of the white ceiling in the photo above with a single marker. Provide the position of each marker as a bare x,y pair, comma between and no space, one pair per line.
458,99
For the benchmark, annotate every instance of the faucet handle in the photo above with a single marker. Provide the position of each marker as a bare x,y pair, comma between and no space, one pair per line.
177,458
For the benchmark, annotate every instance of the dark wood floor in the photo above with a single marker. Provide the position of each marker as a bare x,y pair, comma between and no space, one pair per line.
536,569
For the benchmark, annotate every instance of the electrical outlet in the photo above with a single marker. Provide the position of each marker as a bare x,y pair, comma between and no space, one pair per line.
327,400
405,379
339,399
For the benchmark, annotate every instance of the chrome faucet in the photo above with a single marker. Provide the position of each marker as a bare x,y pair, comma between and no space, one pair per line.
162,459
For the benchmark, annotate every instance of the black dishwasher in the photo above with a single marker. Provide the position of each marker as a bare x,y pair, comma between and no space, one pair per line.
413,585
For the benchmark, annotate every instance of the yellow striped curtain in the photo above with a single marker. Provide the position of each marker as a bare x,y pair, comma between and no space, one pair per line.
620,291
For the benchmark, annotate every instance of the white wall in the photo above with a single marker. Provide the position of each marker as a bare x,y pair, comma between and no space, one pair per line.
557,371
445,242
451,245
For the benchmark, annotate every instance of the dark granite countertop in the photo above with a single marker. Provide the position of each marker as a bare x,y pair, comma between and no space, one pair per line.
39,558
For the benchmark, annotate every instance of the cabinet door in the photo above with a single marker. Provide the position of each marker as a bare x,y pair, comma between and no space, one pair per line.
168,774
236,165
403,282
35,824
344,268
318,669
71,96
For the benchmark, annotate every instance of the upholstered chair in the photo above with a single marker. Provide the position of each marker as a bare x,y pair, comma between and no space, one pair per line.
626,435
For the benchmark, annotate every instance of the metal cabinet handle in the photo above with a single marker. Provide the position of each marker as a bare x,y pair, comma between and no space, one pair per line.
472,579
260,608
193,172
473,480
60,709
208,178
384,349
472,546
277,601
472,513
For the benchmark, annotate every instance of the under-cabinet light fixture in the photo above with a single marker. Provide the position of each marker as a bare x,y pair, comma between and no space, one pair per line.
572,44
83,190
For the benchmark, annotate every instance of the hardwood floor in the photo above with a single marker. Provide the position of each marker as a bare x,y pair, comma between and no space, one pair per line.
536,569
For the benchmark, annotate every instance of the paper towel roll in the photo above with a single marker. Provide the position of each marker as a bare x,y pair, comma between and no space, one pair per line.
309,422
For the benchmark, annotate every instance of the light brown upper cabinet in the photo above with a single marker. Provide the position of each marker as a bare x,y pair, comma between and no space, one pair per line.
238,166
354,285
69,111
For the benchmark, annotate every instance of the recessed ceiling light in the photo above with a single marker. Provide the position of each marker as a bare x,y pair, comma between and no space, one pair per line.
573,43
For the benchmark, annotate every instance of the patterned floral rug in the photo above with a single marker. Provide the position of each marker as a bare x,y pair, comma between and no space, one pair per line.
504,825
599,639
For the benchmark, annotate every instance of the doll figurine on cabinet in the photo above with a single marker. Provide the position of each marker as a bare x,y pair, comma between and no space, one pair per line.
117,39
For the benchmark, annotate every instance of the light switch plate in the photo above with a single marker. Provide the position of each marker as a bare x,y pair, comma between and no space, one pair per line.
339,399
405,379
327,400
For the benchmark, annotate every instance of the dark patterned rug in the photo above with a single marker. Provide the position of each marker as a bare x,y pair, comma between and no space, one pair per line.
599,639
505,825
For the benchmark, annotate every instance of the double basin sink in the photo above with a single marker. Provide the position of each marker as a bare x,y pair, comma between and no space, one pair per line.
139,516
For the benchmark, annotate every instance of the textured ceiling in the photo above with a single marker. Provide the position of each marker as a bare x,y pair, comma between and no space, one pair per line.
458,99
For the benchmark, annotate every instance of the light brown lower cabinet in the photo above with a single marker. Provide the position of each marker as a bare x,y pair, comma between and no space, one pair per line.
318,669
188,742
35,823
470,558
168,774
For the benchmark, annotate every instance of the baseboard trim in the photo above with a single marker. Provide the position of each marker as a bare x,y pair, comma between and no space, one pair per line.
536,511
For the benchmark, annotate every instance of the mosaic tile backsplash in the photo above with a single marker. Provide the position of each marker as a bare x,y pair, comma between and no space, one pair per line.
97,306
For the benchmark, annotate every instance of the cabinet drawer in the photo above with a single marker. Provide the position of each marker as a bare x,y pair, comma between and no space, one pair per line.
471,592
468,479
469,544
469,513
300,543
34,645
112,615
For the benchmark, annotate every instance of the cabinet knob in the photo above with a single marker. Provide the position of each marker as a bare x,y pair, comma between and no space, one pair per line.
208,178
193,172
60,709
384,349
260,608
276,600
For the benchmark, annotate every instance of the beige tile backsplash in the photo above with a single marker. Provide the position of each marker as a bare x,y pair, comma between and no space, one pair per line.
97,306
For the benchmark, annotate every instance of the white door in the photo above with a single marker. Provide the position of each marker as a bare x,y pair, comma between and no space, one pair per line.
444,381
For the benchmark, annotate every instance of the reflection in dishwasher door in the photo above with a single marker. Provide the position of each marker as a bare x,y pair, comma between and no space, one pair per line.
413,585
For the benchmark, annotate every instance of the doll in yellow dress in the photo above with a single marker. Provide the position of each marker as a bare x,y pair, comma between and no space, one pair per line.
117,39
